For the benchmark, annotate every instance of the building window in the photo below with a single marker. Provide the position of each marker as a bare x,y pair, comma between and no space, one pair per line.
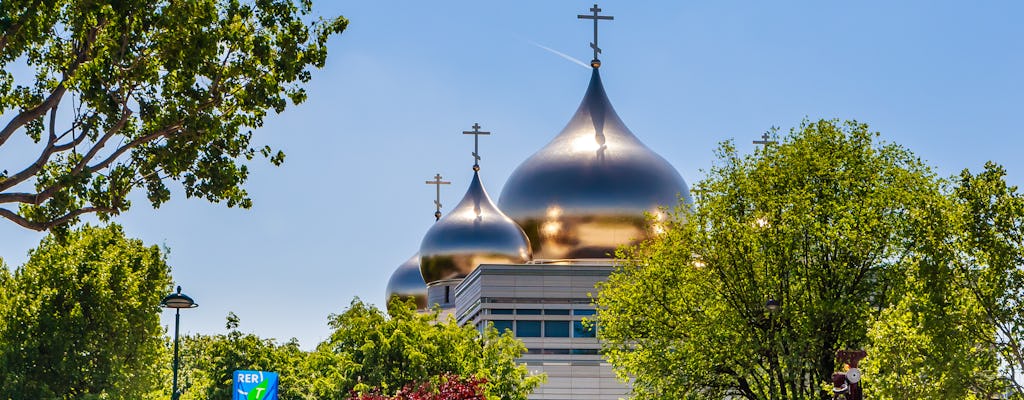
502,311
556,312
584,312
556,328
583,351
583,331
528,328
502,325
528,311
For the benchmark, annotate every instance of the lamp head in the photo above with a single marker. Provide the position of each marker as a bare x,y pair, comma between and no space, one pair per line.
178,300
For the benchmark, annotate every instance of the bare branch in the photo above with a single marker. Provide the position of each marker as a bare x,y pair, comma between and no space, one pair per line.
13,216
28,115
134,143
101,142
71,144
29,171
20,197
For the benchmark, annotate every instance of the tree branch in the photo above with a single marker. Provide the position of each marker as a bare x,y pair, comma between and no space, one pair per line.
73,143
28,115
58,92
134,143
29,171
13,216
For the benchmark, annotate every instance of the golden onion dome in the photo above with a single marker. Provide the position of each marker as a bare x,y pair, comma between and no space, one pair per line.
585,192
406,282
475,232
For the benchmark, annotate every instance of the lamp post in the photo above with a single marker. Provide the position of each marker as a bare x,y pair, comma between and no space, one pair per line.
177,301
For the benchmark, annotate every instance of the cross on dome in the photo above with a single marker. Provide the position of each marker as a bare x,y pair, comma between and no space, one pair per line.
764,140
476,132
438,182
597,50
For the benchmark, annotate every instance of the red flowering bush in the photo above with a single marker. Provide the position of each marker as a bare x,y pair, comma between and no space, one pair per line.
447,387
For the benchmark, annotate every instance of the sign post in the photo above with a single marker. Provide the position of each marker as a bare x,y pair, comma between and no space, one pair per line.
254,385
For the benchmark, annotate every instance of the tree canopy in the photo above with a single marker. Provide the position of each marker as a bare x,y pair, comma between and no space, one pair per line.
81,319
373,351
852,239
370,354
208,363
116,96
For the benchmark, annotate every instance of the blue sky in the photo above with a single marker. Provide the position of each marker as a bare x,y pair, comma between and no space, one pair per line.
943,78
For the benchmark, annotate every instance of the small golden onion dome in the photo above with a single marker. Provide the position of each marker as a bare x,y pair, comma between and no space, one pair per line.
475,232
406,282
585,192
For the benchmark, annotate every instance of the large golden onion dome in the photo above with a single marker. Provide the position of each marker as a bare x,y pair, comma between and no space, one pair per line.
475,232
406,282
585,193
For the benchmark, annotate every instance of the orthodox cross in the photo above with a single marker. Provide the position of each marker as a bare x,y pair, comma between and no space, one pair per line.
595,62
764,140
476,132
438,182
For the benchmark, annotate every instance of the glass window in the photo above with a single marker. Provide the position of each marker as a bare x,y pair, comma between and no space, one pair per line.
503,311
502,325
528,328
556,312
581,330
556,328
584,351
528,311
583,312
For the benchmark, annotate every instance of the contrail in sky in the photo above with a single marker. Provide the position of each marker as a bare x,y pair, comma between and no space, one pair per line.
561,54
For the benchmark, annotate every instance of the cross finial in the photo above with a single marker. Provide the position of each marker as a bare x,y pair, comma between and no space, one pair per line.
476,132
764,140
597,50
438,182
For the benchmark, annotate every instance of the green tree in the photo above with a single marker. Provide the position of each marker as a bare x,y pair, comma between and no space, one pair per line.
147,91
208,363
933,339
371,350
81,319
991,267
831,225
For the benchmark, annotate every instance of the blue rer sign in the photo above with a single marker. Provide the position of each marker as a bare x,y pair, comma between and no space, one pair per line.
255,385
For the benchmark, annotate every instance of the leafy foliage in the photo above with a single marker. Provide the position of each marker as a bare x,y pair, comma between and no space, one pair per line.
152,91
849,235
448,387
992,262
209,361
81,319
370,352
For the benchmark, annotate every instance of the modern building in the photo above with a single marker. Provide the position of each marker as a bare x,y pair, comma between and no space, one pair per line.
530,263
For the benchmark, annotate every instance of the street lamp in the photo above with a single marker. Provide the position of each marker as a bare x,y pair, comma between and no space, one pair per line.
177,301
